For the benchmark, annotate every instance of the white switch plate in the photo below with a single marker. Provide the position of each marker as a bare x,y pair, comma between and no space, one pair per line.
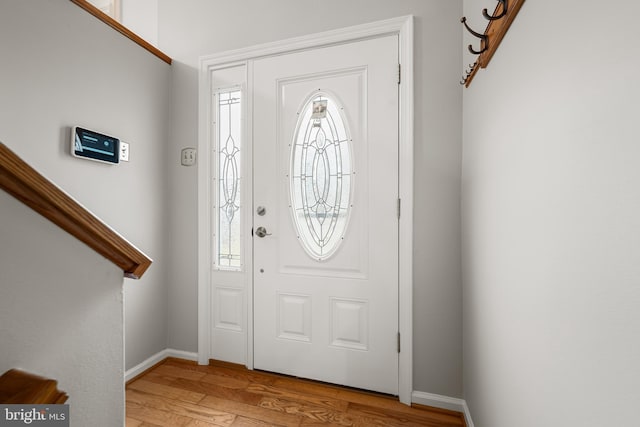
188,157
124,151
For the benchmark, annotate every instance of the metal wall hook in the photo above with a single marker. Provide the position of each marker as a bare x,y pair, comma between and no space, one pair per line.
478,35
477,52
482,37
485,13
468,73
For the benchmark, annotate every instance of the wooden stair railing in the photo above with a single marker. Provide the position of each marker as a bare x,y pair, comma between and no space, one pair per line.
84,4
34,190
19,387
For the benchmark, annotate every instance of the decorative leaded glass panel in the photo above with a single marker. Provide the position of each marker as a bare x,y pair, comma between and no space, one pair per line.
228,237
321,176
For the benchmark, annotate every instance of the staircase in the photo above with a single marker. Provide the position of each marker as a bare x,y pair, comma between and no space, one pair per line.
18,387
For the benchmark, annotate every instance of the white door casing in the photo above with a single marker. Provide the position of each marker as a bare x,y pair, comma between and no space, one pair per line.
330,317
243,347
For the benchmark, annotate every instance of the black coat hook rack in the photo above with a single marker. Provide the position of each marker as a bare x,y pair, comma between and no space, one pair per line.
499,22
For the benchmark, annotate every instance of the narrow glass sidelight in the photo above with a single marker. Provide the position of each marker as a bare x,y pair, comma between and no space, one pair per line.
321,175
228,250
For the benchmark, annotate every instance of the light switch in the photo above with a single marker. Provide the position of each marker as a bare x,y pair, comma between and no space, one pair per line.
124,151
188,157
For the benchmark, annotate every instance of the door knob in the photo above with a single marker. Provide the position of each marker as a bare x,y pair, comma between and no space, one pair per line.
261,232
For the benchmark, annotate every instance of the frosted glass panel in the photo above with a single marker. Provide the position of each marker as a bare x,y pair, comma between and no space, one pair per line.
320,176
228,195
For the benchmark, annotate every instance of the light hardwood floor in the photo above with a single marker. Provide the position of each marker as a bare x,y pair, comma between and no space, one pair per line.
179,393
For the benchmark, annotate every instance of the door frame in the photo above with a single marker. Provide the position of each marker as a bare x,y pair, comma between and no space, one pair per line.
401,26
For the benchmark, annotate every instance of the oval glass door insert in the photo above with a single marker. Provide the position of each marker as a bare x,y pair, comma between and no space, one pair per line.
321,176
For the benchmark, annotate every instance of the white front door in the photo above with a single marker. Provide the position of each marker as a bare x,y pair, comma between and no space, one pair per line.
325,214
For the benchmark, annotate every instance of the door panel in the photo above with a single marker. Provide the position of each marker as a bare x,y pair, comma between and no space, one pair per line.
328,310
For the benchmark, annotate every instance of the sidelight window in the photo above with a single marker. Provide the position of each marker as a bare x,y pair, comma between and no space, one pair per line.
228,188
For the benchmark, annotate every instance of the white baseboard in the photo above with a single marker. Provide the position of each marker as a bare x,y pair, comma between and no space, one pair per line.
467,415
443,402
158,357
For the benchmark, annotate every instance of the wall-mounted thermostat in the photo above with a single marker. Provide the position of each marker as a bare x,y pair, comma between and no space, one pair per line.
92,145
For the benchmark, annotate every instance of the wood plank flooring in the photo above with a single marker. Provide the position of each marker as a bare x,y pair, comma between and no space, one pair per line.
179,393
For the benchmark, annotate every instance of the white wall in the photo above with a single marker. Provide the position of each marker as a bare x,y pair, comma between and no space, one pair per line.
551,220
193,28
61,314
141,17
63,67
